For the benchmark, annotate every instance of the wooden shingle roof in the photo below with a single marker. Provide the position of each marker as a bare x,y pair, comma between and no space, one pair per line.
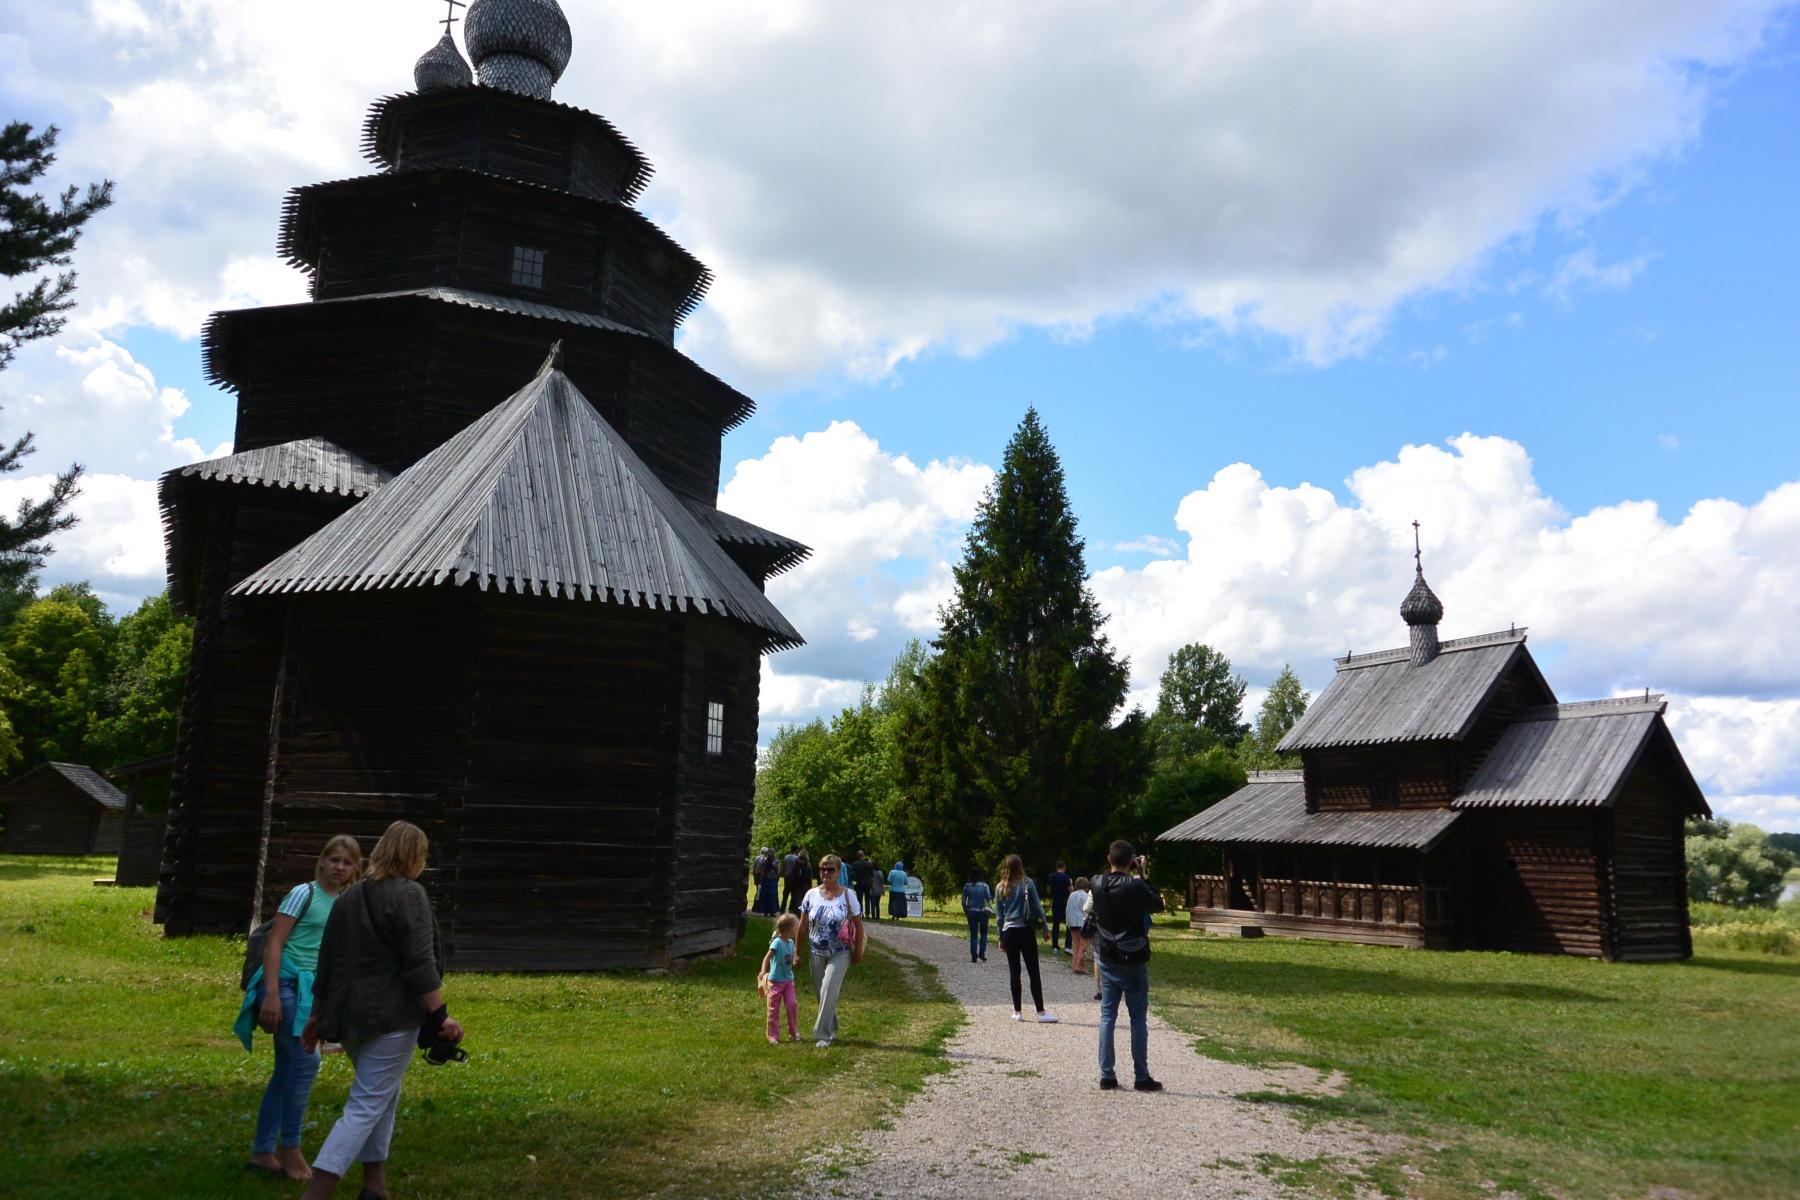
84,779
1271,809
309,465
539,495
1382,697
1573,755
783,552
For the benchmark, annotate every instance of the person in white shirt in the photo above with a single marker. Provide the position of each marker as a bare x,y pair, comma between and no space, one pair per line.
1075,918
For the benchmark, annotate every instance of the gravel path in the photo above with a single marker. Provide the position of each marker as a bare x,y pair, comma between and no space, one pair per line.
1021,1113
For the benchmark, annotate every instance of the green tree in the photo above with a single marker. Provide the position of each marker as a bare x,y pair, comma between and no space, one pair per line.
58,647
1181,785
10,686
34,235
1198,690
1281,710
1734,864
1010,745
141,705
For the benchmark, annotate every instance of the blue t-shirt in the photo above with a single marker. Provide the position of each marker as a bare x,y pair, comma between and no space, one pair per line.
781,960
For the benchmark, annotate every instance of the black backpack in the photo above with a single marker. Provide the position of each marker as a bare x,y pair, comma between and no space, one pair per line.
1130,949
258,941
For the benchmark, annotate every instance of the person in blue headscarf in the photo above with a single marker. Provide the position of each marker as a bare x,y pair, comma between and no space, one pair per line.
897,890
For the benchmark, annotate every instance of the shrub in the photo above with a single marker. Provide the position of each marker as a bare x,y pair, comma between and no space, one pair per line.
1733,864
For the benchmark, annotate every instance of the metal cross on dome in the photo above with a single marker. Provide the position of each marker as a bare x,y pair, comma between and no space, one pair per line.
450,16
1416,559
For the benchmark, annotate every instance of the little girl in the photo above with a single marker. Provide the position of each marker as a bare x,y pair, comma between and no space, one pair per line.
777,978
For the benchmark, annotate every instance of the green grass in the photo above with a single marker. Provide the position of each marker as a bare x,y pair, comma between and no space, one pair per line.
119,1074
1547,1075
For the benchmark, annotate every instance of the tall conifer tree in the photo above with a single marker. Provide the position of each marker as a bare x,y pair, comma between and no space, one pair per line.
1010,746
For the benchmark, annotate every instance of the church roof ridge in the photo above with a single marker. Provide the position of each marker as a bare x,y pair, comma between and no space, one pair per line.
1375,658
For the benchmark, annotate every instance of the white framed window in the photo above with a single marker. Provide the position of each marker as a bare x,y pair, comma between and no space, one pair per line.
715,727
528,267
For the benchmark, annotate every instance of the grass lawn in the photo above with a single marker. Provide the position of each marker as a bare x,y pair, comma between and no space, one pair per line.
119,1075
1551,1076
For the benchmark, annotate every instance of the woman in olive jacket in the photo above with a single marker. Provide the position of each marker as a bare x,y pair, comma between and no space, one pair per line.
378,984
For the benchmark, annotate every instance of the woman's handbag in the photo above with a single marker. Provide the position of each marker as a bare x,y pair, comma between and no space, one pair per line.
855,936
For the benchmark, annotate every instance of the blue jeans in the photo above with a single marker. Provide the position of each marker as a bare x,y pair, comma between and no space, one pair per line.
1133,983
977,934
284,1100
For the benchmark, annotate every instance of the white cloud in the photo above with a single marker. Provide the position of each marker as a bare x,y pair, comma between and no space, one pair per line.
92,402
1150,543
882,529
1582,271
871,183
117,542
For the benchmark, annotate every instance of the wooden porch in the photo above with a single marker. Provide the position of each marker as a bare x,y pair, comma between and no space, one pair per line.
1378,913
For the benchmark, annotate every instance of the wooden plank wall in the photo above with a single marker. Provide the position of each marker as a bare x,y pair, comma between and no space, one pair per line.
1648,877
712,834
140,850
1535,881
548,147
1342,779
372,729
565,858
1518,690
213,842
46,814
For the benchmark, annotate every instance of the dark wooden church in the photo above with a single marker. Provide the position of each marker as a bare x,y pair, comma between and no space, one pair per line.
456,575
1447,800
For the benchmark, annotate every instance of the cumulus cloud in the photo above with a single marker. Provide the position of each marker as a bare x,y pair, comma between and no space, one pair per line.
873,182
90,401
882,529
117,542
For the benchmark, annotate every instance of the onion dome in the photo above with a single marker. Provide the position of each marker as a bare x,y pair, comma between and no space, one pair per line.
518,45
441,67
1421,606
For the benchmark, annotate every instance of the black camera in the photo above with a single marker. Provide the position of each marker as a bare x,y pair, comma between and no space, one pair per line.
443,1050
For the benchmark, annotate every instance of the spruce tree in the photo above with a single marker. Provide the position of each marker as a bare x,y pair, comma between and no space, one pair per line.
34,235
1010,746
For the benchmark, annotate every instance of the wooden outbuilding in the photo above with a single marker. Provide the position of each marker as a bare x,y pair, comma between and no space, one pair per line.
466,566
1446,799
62,808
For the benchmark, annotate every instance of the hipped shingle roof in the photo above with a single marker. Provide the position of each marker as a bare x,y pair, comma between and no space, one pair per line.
1271,809
1572,755
540,495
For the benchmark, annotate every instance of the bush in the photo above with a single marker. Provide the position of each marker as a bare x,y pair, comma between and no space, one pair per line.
1734,864
1721,926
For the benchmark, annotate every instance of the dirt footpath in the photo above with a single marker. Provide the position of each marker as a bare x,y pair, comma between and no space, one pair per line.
1022,1114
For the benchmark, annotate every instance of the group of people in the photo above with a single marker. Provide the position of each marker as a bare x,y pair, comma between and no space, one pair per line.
793,876
351,959
1112,913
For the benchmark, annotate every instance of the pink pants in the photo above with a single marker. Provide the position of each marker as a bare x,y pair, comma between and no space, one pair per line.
779,994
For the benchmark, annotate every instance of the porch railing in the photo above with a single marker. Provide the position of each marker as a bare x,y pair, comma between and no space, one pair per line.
1374,903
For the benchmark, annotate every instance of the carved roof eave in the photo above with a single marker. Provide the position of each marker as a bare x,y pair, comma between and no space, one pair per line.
297,241
378,130
734,407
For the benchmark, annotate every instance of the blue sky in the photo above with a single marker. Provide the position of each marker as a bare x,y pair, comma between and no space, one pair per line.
1240,258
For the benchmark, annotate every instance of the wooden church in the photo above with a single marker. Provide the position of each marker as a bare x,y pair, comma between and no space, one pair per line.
465,567
1446,799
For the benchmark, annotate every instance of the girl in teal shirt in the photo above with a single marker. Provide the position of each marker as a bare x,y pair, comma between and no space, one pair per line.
290,957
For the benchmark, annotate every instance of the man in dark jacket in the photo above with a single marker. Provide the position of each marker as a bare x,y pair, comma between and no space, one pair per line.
789,901
1122,903
862,876
1058,892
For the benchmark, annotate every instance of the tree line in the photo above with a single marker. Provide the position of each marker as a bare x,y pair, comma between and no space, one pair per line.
1002,734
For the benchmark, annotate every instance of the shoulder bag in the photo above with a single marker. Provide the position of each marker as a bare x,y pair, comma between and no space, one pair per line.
258,941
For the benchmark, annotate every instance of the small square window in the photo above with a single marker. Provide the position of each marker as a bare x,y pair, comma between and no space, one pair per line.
528,267
715,727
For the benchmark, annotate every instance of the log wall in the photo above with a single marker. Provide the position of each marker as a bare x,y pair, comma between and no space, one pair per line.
1648,876
46,814
1352,778
1536,881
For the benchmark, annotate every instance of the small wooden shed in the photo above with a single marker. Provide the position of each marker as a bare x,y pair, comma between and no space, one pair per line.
62,808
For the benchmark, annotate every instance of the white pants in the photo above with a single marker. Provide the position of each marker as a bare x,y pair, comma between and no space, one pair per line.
363,1132
827,982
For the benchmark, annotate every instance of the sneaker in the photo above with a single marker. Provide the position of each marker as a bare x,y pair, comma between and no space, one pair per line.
1109,1085
1046,1018
774,1041
1146,1085
824,1042
1096,995
1018,1017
